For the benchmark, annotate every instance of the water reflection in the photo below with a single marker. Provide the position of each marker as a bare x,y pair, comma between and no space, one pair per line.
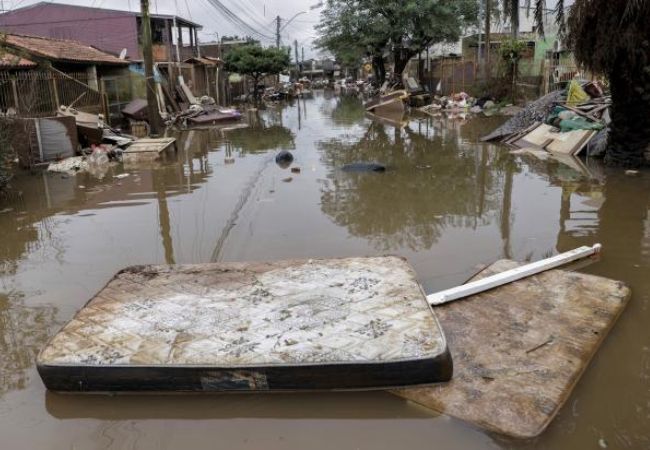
435,180
447,203
23,331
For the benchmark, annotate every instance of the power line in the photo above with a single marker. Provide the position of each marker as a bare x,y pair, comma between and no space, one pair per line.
236,20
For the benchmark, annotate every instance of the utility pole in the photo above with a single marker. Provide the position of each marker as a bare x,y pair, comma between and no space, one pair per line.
488,11
147,53
278,22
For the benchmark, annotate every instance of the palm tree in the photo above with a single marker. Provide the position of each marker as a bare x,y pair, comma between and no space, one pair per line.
612,37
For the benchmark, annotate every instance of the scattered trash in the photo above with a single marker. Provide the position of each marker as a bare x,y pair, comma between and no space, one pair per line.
562,122
284,159
632,173
6,210
122,176
576,94
287,180
295,170
70,165
364,167
602,443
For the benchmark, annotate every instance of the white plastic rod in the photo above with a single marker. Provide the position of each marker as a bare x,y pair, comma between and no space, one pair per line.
476,287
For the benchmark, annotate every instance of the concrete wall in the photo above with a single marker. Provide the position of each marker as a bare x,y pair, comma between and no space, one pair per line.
106,30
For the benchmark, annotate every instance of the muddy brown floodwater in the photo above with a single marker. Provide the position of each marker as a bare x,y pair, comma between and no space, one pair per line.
447,203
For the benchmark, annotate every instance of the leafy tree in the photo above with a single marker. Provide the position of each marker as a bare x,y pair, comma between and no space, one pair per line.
402,28
257,62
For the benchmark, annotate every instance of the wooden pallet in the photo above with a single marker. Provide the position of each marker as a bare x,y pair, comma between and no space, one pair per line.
148,149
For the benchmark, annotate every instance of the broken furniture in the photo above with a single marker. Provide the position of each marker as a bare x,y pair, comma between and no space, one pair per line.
358,323
148,149
390,104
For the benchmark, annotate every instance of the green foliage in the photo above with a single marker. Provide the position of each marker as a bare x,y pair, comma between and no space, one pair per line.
351,28
512,49
256,61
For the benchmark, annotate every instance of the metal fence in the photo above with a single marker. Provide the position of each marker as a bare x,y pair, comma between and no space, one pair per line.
40,93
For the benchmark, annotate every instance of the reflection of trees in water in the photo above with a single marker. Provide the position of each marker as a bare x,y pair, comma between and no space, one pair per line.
23,331
343,110
432,183
260,138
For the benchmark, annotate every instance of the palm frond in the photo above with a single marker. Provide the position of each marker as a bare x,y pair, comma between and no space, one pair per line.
540,11
633,7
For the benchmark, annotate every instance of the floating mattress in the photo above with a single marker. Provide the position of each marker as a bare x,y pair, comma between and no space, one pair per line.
359,323
520,349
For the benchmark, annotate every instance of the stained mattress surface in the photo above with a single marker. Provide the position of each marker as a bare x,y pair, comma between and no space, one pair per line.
356,323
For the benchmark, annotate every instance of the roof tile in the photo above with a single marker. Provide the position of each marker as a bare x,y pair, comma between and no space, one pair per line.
60,50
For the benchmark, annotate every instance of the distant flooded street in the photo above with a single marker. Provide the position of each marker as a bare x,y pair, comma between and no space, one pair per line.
446,202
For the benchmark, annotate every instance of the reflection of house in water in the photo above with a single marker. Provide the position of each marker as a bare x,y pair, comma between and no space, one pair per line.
23,332
434,181
44,195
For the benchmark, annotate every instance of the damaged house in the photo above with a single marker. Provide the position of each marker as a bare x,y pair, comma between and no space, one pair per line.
37,76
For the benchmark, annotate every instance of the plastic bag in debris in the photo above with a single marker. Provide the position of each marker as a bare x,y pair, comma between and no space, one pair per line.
575,94
579,123
557,114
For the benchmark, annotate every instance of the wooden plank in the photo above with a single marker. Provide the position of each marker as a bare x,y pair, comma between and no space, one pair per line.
148,149
570,142
509,276
357,323
520,349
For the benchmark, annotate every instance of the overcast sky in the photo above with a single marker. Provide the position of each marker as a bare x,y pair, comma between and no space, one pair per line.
260,14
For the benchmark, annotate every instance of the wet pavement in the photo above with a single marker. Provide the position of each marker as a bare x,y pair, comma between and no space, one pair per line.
446,203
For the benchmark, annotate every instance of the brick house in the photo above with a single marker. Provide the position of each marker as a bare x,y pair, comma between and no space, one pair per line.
113,31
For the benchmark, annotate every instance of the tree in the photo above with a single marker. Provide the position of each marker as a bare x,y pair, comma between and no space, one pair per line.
256,62
402,28
612,37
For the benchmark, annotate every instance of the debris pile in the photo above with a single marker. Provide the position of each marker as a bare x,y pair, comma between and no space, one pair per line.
463,102
563,122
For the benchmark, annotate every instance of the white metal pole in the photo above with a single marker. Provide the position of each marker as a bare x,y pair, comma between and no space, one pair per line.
476,287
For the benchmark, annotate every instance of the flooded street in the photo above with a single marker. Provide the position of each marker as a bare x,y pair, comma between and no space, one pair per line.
446,203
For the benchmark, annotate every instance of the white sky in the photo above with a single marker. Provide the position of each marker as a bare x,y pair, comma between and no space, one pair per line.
258,13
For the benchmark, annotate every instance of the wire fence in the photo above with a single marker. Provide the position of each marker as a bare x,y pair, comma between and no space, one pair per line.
41,93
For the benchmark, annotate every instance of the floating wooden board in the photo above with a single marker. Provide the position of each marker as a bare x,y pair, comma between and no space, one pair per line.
571,142
548,138
520,349
357,323
148,149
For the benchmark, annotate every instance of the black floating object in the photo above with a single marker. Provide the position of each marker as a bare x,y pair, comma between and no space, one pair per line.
284,159
364,167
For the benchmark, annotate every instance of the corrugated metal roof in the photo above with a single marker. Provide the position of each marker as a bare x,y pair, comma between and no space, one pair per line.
11,61
61,50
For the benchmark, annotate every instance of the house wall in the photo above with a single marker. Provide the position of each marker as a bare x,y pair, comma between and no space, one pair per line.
110,31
